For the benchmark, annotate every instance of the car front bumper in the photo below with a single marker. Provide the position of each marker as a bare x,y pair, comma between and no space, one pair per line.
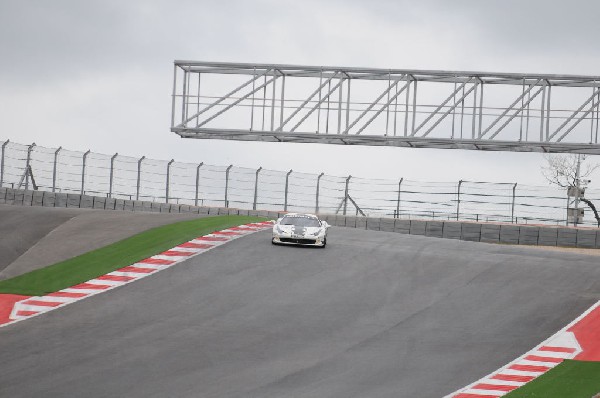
304,240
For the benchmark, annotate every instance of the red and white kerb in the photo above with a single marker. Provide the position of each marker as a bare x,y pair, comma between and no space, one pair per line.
15,308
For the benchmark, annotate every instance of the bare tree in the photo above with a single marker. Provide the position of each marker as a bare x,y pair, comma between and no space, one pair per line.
570,171
561,170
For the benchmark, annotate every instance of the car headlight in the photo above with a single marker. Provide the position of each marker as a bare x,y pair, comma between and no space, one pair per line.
317,232
279,230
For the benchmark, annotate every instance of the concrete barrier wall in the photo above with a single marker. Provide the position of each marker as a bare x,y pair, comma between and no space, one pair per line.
470,231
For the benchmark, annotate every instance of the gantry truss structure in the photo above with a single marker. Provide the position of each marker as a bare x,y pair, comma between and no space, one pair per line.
386,107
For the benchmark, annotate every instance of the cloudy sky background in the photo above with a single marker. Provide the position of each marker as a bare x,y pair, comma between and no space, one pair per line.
98,74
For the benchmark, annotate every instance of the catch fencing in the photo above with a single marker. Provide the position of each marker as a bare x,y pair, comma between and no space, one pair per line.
199,184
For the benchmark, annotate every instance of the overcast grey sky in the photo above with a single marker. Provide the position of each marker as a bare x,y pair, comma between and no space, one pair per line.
97,74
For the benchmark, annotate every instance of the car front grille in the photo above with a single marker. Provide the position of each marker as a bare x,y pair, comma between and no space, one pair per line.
299,241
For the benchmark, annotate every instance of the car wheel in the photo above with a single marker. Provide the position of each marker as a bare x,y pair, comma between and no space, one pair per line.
324,243
273,241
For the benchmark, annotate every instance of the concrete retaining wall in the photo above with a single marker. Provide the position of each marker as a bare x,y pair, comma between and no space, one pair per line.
471,231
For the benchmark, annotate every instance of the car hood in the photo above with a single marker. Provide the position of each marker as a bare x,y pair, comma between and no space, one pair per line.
299,230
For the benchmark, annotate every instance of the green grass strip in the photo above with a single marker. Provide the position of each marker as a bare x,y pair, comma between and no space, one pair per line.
117,255
572,379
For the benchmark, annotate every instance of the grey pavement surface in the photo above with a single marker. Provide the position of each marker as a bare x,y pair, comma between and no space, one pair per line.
373,315
21,228
35,237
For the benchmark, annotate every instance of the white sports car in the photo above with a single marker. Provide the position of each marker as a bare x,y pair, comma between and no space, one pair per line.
300,229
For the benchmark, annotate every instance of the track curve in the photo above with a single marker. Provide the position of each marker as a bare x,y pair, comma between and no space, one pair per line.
35,237
375,314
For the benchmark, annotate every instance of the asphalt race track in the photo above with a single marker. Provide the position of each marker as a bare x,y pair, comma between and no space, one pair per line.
373,315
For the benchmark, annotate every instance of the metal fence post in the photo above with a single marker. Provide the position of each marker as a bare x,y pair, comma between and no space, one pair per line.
28,167
85,155
512,211
567,209
577,181
256,188
458,200
2,163
167,182
398,202
287,179
227,184
317,195
139,175
346,195
197,183
55,169
112,168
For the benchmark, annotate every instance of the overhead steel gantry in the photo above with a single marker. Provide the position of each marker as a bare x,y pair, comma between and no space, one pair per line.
395,107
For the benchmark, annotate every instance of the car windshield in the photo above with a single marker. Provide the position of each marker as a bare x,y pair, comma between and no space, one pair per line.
301,221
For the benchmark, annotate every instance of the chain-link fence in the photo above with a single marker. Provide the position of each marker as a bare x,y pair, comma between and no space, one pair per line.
125,177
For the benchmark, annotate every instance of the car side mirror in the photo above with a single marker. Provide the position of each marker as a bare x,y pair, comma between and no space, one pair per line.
279,220
325,224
